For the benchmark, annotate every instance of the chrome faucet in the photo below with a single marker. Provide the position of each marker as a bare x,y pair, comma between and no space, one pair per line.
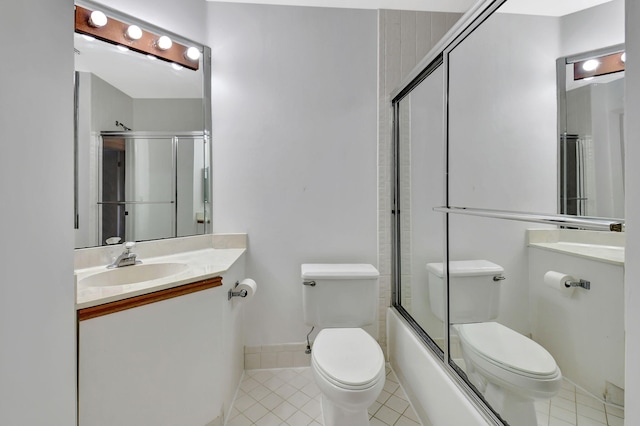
126,258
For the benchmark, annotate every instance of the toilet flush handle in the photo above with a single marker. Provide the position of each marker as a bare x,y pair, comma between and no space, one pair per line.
309,283
499,278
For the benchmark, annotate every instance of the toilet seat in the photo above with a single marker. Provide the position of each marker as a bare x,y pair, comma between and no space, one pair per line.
348,358
508,350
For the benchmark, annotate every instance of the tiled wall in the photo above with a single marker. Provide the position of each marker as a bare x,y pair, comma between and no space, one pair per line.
276,356
405,37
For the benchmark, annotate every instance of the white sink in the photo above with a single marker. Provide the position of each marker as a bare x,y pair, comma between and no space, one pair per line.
133,274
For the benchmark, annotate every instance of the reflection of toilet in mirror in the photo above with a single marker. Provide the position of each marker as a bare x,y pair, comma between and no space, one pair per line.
507,368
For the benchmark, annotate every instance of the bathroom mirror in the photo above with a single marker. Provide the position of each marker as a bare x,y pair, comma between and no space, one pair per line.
591,136
142,143
503,154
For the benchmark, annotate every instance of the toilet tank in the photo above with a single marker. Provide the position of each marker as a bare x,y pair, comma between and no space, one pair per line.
474,290
342,295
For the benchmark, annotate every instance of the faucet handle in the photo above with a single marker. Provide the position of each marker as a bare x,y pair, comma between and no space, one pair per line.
129,245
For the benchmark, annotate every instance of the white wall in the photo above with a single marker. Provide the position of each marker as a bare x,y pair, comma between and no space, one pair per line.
294,135
169,115
185,17
632,189
37,316
592,28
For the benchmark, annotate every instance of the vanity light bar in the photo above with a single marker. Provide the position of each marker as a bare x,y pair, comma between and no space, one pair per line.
114,32
590,223
593,67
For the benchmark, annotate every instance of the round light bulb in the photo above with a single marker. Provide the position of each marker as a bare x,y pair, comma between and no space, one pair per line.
623,57
133,32
97,19
164,43
590,65
177,67
193,53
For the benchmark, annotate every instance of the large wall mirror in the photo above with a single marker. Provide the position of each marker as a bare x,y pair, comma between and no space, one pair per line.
142,132
591,132
509,304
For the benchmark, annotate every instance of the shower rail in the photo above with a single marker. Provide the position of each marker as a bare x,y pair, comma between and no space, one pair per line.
589,223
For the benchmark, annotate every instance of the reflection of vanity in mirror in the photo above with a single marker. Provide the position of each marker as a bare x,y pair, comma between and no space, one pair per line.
475,285
142,140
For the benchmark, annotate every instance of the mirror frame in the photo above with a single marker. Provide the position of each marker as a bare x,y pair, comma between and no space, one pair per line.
206,93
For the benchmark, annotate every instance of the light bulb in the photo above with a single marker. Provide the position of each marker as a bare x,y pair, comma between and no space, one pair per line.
623,57
164,43
193,53
133,32
590,65
97,19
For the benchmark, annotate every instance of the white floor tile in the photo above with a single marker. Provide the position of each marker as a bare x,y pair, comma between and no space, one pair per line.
592,413
562,414
615,421
405,421
387,415
290,397
271,401
255,412
269,419
240,421
298,399
586,421
299,419
284,410
397,404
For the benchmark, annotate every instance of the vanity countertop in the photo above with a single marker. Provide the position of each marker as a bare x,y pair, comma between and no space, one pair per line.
608,254
600,246
201,264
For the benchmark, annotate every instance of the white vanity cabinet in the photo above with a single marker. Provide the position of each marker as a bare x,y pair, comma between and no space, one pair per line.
169,362
584,331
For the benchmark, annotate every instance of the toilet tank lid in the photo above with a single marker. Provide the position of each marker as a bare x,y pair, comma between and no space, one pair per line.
466,268
338,271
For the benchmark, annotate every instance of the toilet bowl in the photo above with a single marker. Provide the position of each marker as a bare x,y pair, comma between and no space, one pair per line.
348,368
510,370
347,363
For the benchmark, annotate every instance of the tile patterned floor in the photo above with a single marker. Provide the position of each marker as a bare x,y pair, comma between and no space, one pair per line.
289,397
573,407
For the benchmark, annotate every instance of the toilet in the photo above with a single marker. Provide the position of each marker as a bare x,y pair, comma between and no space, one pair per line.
510,370
347,363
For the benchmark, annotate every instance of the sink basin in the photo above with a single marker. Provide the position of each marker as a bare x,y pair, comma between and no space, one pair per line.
133,274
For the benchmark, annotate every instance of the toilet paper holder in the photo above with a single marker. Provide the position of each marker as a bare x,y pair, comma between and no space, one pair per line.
582,283
241,293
